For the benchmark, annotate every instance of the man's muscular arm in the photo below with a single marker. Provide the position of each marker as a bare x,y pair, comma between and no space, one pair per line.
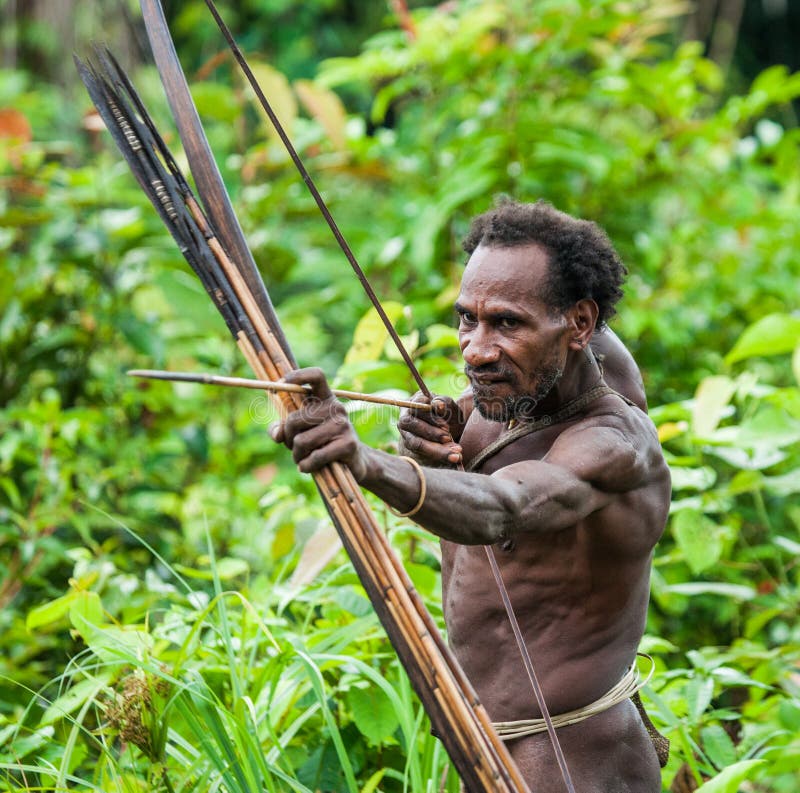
584,470
533,496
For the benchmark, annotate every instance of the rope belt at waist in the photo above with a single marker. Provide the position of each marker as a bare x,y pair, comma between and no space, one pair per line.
631,682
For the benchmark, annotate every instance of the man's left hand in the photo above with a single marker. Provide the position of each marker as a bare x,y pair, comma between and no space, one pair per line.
319,432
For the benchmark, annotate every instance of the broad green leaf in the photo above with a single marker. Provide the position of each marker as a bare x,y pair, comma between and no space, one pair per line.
789,714
731,778
670,430
785,485
371,335
699,537
441,337
373,713
656,644
74,697
710,403
692,478
85,611
746,482
698,691
718,745
50,612
422,576
774,334
113,644
788,545
21,747
351,601
410,342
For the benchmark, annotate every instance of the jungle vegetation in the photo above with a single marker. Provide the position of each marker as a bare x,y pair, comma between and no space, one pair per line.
175,611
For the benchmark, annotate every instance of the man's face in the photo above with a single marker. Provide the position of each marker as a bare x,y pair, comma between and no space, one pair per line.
514,346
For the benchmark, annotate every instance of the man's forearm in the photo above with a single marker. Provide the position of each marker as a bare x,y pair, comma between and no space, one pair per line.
471,509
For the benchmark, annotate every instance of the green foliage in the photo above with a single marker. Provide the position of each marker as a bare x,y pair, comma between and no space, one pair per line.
124,663
725,579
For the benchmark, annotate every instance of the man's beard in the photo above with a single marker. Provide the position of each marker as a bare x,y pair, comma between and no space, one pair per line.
513,406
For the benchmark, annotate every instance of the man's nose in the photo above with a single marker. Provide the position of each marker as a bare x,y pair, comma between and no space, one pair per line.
479,348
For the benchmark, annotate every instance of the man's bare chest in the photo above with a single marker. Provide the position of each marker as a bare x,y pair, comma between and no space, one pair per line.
481,434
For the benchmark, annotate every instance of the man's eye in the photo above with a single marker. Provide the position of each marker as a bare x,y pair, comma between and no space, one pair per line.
467,318
508,322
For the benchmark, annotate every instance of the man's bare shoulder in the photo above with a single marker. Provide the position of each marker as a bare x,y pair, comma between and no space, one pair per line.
615,447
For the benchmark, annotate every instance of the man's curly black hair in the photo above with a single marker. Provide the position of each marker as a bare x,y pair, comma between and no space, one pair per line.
582,262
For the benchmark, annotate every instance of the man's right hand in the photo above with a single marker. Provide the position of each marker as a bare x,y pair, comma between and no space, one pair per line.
431,436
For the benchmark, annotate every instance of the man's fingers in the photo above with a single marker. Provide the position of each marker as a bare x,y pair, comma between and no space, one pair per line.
414,425
432,451
312,376
336,450
305,442
444,408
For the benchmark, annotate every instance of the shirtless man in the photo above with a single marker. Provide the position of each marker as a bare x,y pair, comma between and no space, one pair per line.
574,508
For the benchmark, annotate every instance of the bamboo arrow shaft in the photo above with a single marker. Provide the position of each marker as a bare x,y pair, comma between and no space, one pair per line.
270,385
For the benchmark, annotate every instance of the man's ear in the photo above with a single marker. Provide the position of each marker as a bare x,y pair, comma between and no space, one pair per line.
582,318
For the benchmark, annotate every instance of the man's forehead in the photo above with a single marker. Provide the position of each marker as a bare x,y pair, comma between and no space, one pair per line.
517,270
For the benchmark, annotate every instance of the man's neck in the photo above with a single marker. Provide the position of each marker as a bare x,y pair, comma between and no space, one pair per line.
580,374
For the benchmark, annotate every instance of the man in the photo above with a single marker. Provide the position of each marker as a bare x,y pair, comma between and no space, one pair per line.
565,478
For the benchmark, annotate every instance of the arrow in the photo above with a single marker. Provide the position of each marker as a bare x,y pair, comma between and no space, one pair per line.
269,385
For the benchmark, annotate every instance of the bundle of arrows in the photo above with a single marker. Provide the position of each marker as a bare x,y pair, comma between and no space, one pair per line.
232,282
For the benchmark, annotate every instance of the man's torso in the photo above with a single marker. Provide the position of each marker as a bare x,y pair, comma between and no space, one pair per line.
580,594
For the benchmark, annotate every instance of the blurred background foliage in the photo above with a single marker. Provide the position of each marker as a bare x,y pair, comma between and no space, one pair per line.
175,612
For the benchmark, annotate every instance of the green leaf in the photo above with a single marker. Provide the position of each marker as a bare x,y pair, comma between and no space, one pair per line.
441,337
774,334
734,591
371,335
373,713
718,745
710,403
187,298
698,692
50,612
22,747
729,780
74,697
789,715
281,98
326,107
113,644
784,485
85,611
699,537
227,568
684,478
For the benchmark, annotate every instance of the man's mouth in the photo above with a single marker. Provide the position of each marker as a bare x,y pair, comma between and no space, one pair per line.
488,377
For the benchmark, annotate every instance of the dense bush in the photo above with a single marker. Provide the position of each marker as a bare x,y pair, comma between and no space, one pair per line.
175,614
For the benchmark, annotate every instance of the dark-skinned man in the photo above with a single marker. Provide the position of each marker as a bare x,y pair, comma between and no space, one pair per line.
565,477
